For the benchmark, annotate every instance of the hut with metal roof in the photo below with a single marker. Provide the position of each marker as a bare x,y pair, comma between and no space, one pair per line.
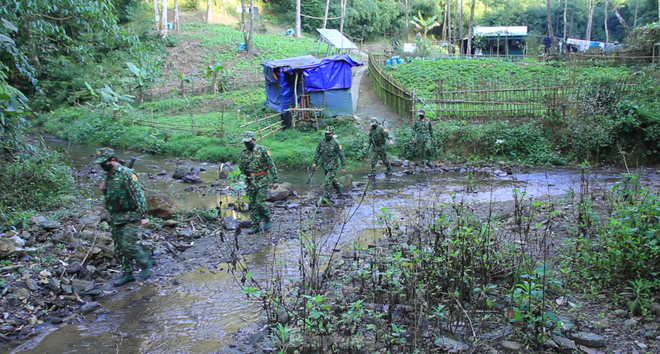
500,40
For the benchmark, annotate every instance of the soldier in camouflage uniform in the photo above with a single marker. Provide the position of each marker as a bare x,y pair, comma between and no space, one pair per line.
257,166
378,139
127,205
330,153
423,138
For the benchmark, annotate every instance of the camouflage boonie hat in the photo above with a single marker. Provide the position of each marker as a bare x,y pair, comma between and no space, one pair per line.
374,121
103,154
329,129
421,113
249,136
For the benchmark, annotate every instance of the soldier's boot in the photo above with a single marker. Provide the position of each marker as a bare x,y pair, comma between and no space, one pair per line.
268,224
340,190
389,169
372,174
126,278
146,265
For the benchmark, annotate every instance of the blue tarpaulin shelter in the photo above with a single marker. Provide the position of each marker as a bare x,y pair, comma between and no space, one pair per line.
326,81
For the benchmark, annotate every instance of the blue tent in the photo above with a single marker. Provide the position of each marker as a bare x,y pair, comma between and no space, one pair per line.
327,81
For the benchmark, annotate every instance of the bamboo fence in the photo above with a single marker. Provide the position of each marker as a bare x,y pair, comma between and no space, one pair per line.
393,93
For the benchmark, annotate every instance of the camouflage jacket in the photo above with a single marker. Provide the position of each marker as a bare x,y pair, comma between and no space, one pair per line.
256,160
378,135
124,197
422,130
330,153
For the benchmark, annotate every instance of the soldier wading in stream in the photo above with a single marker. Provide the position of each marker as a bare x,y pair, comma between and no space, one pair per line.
257,166
423,139
330,153
378,139
127,205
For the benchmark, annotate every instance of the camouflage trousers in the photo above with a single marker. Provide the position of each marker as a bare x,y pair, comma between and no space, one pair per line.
125,237
379,153
257,191
424,150
330,182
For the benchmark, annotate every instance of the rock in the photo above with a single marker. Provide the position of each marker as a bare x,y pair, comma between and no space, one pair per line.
192,179
17,241
498,333
589,339
50,225
282,192
180,172
588,350
38,219
67,289
6,329
162,173
620,313
215,183
511,346
160,205
33,321
89,307
243,223
564,343
396,162
55,285
630,323
81,285
74,269
12,300
655,308
6,247
90,220
45,274
32,284
22,293
170,223
451,346
229,223
185,234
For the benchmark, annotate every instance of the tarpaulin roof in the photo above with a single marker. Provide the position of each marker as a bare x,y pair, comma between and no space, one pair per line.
336,38
330,73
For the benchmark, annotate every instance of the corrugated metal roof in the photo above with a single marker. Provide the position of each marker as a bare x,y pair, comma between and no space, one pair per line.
336,38
501,30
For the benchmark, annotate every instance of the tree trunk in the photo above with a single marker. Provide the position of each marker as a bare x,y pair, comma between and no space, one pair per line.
551,33
572,22
471,28
343,15
461,21
163,19
565,20
637,8
449,21
444,24
250,50
658,10
590,21
177,23
622,21
209,13
607,31
298,22
325,17
408,21
156,15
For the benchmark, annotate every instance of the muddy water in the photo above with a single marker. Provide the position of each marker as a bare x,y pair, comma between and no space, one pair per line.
199,315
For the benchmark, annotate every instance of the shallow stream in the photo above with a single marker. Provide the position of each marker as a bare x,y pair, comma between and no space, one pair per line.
199,314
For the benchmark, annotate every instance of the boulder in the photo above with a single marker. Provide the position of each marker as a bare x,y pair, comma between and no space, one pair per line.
230,223
89,307
82,285
192,179
6,247
160,205
50,225
17,241
90,220
280,193
589,339
180,172
346,181
451,346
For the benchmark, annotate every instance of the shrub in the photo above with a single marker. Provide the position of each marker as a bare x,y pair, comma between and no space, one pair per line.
216,153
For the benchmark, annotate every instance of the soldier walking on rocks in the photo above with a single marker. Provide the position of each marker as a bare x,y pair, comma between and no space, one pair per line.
258,167
423,139
378,139
127,205
330,153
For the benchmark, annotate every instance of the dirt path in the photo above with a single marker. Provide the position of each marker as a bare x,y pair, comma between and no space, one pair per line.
367,103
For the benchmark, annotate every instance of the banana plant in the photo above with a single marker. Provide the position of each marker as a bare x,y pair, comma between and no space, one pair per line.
424,24
142,77
213,72
107,97
183,79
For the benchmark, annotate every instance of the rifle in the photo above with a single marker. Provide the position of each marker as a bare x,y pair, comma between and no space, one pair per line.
133,159
310,175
